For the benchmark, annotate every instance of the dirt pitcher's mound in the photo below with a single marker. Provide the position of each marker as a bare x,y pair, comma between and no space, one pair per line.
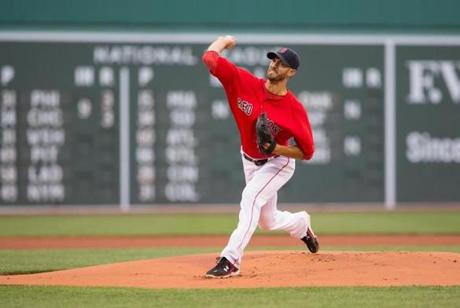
266,269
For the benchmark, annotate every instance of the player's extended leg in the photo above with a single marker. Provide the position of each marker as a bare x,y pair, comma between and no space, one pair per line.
263,185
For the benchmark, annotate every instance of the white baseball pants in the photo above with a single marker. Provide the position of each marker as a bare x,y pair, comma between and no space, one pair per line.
259,206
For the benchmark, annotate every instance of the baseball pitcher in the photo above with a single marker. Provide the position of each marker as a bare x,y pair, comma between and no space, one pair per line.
268,117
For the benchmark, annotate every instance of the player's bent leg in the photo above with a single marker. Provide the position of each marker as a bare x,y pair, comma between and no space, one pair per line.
273,219
293,223
298,224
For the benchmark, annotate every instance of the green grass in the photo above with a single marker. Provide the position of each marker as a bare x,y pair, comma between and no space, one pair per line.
152,224
429,222
388,223
277,297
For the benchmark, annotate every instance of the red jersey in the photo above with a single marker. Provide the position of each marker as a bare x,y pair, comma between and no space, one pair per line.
248,97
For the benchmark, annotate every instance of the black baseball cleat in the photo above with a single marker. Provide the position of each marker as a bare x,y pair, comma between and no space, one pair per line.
223,269
311,241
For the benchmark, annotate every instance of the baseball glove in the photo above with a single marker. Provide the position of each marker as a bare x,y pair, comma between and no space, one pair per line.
265,140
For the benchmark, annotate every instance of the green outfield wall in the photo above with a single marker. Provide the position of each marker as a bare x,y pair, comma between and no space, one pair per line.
271,15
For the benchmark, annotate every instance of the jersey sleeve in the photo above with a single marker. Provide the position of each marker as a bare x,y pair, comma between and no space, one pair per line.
220,67
303,134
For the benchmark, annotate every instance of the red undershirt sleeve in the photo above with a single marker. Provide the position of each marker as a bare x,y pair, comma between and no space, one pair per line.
220,67
210,60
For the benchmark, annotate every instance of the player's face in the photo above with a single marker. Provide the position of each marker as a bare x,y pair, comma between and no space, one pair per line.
278,71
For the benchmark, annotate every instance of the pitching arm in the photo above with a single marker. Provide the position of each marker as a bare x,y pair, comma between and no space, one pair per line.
218,66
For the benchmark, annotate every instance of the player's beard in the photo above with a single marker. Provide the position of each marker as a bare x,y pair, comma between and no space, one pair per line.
274,76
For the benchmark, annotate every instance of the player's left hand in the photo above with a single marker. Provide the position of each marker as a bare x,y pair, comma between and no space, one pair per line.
265,140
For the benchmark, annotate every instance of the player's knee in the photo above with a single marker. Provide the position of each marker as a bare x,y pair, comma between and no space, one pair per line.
267,222
266,225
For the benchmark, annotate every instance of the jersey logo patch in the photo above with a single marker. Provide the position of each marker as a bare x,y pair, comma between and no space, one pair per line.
245,106
275,129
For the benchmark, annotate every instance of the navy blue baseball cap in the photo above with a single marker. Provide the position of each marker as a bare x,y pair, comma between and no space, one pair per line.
287,56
